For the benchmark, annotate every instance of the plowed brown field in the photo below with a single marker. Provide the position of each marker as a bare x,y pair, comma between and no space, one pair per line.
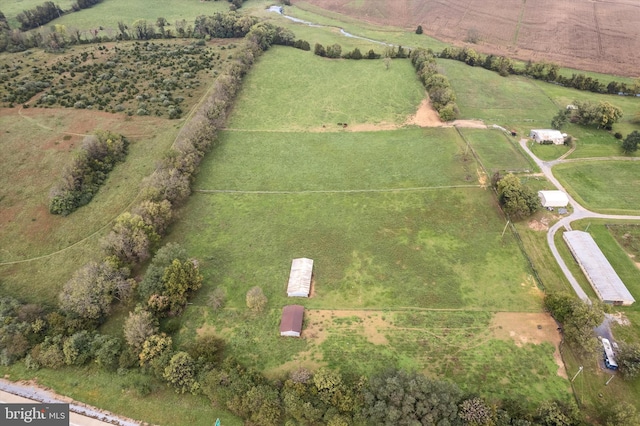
601,36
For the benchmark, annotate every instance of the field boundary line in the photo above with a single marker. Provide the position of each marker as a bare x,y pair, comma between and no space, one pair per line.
334,191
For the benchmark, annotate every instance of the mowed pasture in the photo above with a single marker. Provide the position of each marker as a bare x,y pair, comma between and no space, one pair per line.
294,90
604,186
106,15
410,258
522,104
512,102
497,151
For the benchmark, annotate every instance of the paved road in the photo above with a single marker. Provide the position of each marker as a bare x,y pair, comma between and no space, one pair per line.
579,212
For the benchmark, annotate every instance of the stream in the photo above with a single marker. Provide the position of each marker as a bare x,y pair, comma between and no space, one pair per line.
280,10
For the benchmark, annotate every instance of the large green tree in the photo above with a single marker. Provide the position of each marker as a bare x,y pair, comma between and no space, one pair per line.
181,373
630,143
396,398
517,200
628,358
601,114
578,319
92,288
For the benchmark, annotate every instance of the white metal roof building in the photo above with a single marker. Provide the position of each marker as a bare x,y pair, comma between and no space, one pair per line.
554,136
601,275
300,277
553,198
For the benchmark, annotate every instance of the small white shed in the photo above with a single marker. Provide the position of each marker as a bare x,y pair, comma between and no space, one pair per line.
555,136
300,277
553,198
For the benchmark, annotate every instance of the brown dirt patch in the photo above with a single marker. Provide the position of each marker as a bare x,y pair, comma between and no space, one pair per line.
525,328
541,225
425,116
317,322
596,36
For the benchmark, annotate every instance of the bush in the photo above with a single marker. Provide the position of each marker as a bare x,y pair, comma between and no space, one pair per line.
82,179
256,300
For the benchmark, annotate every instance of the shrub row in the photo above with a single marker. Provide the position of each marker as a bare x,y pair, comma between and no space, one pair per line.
440,92
545,71
81,180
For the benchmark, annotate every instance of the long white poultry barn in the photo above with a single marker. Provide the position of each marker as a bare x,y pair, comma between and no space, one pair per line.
601,275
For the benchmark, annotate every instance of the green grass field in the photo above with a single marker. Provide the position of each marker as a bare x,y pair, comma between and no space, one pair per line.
497,152
318,91
396,221
605,186
512,102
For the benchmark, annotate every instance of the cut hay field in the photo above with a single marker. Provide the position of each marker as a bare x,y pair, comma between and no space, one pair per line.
580,34
603,186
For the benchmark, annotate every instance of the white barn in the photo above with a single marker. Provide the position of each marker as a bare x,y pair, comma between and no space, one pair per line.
555,136
601,275
553,198
300,277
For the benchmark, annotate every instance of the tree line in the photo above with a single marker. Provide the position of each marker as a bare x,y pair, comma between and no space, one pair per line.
442,96
544,71
47,12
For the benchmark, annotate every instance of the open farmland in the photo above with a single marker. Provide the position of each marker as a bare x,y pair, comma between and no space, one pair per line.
604,186
397,223
319,92
497,152
38,144
581,34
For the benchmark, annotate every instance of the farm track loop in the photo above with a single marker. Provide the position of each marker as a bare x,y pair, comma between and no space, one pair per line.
579,212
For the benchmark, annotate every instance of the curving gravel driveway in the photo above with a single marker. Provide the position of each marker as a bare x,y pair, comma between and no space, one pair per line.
579,212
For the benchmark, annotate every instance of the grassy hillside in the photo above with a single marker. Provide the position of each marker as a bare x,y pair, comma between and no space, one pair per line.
295,90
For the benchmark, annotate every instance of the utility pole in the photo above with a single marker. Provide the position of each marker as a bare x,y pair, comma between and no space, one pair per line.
610,379
503,231
579,371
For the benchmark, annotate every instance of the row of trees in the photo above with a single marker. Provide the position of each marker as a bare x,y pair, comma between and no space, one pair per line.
81,180
442,96
47,12
539,70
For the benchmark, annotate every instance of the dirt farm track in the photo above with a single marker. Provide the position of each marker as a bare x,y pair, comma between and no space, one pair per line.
600,35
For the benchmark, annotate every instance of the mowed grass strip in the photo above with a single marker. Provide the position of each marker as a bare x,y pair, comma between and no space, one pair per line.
497,153
605,186
293,90
286,161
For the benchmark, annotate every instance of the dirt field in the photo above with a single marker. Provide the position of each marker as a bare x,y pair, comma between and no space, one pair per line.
601,36
521,327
